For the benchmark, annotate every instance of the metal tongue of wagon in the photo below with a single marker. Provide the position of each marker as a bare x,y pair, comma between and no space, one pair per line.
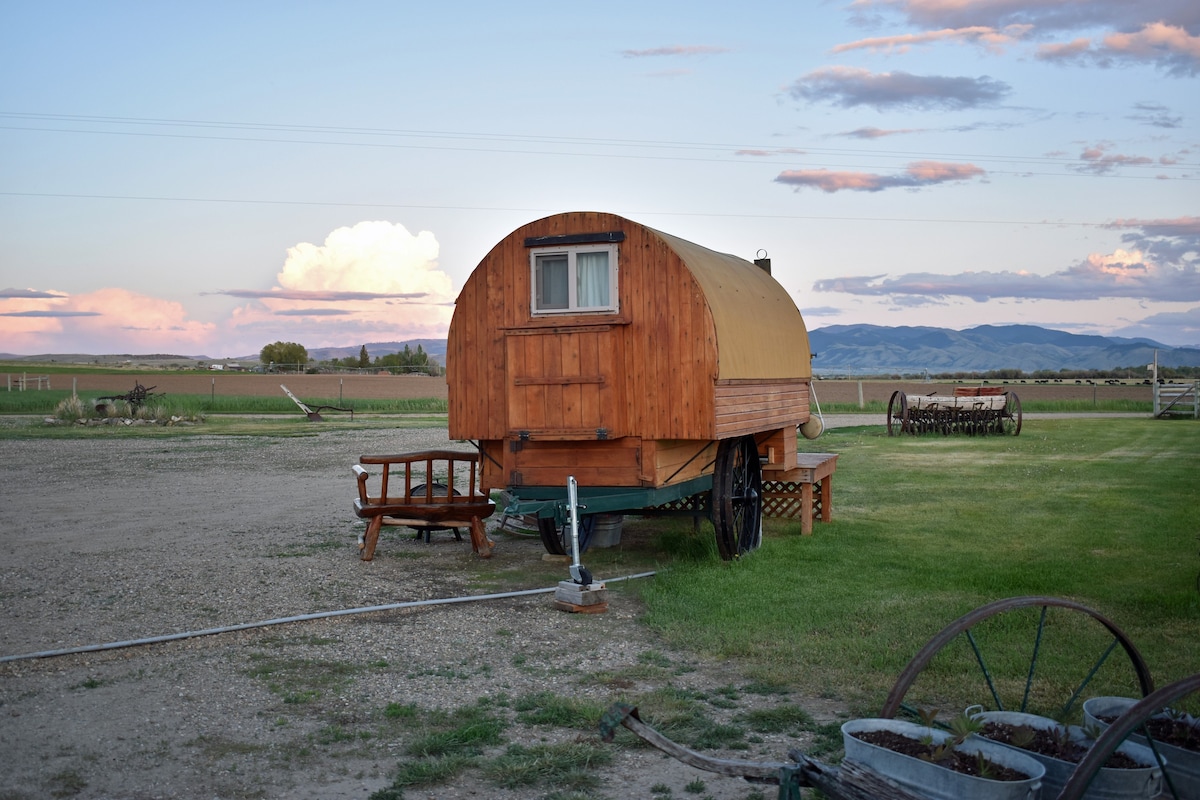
653,371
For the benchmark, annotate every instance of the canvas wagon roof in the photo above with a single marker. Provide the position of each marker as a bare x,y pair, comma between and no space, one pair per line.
760,333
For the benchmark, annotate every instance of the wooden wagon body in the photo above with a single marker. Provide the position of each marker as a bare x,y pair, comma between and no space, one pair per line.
588,345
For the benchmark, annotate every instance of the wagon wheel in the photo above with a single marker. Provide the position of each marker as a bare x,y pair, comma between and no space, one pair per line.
1010,418
897,411
557,541
1029,654
1174,784
737,497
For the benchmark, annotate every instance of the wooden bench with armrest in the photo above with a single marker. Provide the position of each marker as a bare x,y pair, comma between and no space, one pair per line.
425,491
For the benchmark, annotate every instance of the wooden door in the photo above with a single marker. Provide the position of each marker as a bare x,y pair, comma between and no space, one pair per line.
565,383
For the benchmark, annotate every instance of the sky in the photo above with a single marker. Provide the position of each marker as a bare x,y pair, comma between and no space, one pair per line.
208,178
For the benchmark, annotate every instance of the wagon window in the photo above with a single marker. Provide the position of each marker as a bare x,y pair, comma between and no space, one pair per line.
574,279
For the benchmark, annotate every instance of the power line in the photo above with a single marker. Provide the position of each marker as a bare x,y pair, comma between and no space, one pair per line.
426,207
740,153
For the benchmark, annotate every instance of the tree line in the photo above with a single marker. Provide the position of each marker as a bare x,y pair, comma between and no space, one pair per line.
289,355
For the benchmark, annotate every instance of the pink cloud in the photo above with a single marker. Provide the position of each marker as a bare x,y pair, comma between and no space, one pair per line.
918,174
991,38
103,321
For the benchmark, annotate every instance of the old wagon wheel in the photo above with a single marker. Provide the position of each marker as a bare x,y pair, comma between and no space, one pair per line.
557,540
1175,785
897,412
1010,418
737,496
1030,654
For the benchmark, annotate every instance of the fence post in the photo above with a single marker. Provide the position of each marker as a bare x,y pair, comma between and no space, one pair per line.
860,396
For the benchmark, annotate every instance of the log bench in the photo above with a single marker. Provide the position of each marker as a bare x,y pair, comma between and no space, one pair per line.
430,490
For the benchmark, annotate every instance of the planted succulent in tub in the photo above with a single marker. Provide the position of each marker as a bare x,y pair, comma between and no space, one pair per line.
1176,737
927,761
1131,772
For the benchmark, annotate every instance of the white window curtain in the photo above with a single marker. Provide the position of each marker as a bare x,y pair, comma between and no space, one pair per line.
591,280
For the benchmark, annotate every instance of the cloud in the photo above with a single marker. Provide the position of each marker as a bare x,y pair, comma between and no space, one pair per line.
370,270
1098,161
687,50
852,86
790,151
106,320
877,133
1162,33
918,174
28,294
1156,115
50,313
1174,242
1162,267
1044,16
989,37
1169,47
334,297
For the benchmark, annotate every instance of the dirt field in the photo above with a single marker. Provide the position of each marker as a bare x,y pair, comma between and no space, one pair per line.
117,539
392,386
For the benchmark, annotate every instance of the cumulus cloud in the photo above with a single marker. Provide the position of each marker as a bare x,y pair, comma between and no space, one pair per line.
676,50
1175,242
106,320
917,175
852,86
1162,268
382,282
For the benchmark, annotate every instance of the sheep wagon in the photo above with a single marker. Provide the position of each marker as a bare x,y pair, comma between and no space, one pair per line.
657,373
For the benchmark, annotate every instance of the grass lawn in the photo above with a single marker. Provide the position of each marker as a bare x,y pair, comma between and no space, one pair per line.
925,529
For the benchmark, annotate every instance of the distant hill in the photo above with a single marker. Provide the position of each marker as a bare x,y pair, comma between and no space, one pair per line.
875,349
436,348
846,349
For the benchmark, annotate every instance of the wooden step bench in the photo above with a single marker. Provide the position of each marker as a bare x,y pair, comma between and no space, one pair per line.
805,491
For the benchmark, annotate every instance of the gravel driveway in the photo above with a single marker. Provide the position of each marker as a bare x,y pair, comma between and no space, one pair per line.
110,539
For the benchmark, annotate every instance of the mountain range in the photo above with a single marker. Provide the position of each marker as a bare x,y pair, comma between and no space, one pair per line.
875,349
862,350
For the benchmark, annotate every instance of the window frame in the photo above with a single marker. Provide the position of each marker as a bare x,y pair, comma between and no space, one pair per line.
572,252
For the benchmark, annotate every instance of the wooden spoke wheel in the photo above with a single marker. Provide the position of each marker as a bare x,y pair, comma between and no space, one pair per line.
557,540
1178,784
737,497
1010,417
897,413
1031,654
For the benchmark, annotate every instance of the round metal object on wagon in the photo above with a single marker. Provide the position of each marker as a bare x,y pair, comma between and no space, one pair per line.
1010,417
897,413
557,540
1040,655
737,497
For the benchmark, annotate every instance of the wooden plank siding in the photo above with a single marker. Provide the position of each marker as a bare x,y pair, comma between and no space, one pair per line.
744,407
644,379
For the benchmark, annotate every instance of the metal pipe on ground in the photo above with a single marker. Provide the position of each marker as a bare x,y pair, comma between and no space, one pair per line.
95,648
